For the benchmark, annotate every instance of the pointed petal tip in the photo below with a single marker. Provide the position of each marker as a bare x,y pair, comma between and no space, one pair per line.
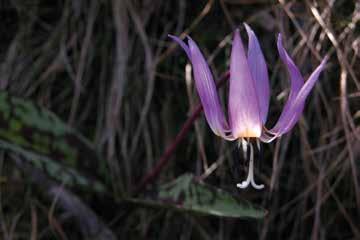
173,36
248,28
279,41
325,59
190,40
192,44
323,63
176,38
236,32
236,36
182,44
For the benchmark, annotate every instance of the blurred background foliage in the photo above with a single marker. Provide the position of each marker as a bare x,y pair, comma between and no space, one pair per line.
121,88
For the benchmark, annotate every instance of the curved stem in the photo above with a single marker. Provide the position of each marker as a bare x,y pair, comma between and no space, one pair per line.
164,159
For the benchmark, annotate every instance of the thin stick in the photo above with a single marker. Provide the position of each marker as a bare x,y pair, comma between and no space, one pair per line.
164,159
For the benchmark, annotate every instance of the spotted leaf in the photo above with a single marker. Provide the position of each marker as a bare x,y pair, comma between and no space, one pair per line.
49,144
187,194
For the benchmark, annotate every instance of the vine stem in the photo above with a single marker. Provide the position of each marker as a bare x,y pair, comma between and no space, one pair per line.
165,157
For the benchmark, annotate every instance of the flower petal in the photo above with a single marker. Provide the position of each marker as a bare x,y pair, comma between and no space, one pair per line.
296,81
206,89
182,44
243,106
267,136
294,112
259,73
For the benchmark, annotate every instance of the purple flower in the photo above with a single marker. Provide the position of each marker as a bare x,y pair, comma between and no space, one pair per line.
249,92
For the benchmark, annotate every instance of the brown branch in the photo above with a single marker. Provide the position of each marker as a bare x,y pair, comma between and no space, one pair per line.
164,159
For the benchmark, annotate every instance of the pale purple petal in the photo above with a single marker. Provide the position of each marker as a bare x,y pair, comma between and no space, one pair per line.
244,112
267,137
259,73
206,89
296,81
294,112
182,44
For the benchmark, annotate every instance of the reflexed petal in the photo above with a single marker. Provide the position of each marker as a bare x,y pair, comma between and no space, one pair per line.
206,89
259,73
267,137
296,81
294,111
243,106
182,44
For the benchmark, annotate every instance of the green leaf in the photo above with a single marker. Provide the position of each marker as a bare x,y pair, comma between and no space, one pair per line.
187,194
49,144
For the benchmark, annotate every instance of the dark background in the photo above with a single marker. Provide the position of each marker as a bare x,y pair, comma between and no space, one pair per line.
107,69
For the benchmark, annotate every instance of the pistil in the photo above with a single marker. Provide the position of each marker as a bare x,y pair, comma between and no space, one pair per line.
250,180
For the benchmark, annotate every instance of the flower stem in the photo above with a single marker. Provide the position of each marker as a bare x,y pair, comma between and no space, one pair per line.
165,157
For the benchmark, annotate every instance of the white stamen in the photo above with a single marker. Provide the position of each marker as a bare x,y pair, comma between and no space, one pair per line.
244,145
250,178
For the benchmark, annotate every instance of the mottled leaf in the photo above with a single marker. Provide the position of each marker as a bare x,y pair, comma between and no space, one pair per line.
49,144
187,194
